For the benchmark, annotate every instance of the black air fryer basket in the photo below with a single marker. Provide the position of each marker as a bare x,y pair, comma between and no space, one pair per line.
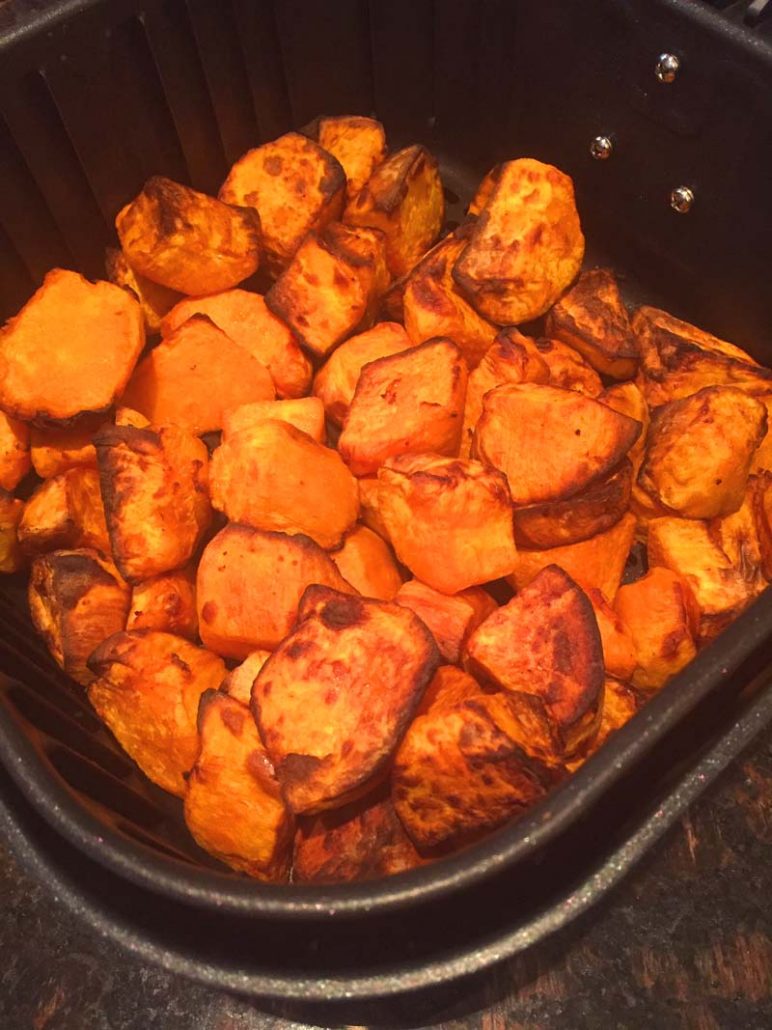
97,96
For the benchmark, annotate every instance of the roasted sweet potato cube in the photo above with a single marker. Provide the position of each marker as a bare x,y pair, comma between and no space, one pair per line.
166,603
628,399
464,769
545,643
55,450
147,689
336,380
335,698
65,511
187,241
274,476
249,586
304,413
409,403
330,288
366,561
619,656
11,512
77,600
451,618
295,185
369,512
567,368
593,319
526,246
247,320
14,451
485,191
699,451
155,300
154,490
449,686
449,520
550,443
239,681
620,703
761,502
233,805
660,614
358,143
44,381
738,537
194,376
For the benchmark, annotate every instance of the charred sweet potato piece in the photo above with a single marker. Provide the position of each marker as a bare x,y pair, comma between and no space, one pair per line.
620,703
567,368
295,185
14,451
44,380
335,698
249,586
358,143
187,241
593,319
304,413
619,657
699,451
155,300
448,520
55,450
65,511
336,380
239,681
76,600
194,376
761,502
367,563
545,643
403,198
550,443
247,320
661,617
274,476
11,512
408,403
485,191
233,805
147,689
330,288
154,490
628,399
166,603
739,538
451,619
448,687
526,246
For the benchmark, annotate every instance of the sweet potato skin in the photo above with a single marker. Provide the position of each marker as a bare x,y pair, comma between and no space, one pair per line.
359,144
366,561
166,603
451,618
304,413
11,512
155,300
65,512
14,451
239,681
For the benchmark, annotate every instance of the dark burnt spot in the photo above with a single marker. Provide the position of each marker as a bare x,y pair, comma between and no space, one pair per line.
266,688
334,178
233,719
340,279
209,612
273,164
298,768
181,664
341,612
301,320
298,648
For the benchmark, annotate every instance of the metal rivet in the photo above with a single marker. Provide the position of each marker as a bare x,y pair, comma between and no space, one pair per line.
601,148
667,67
681,199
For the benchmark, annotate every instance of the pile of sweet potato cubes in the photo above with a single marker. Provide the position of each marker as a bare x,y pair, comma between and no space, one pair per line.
300,625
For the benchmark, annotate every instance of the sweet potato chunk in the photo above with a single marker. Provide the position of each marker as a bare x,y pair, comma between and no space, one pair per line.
451,619
628,399
449,520
358,143
147,690
295,185
367,563
739,538
408,403
699,451
247,320
11,512
619,657
568,369
335,698
76,601
550,443
249,586
369,512
239,681
187,241
762,511
233,805
194,376
43,379
304,413
166,603
545,643
274,476
14,451
448,687
403,198
661,617
526,246
330,288
154,489
155,300
65,511
337,379
128,417
485,191
620,703
593,319
55,450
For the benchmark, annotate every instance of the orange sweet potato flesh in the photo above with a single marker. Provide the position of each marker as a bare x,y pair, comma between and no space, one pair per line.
451,618
369,513
739,536
128,417
567,368
762,458
239,681
620,703
247,320
147,690
274,476
304,413
358,143
194,376
11,512
545,643
55,450
233,805
448,520
65,511
14,451
154,299
449,686
45,382
166,603
249,585
335,698
408,403
366,561
76,600
187,241
550,443
628,399
619,655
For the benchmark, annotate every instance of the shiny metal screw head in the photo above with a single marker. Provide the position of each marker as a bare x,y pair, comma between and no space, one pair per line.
667,67
601,148
681,199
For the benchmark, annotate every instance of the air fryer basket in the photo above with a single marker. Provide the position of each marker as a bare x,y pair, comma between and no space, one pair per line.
95,97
